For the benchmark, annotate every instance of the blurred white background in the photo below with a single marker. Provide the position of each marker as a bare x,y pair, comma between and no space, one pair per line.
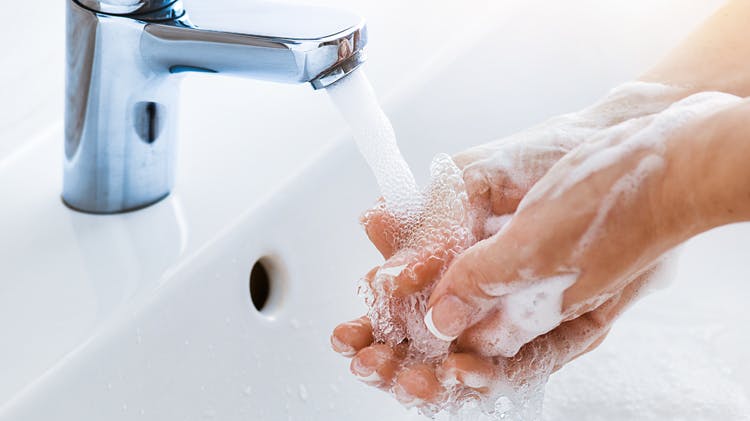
32,45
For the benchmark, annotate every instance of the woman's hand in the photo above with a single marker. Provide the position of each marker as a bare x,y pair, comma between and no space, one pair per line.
496,177
495,187
601,216
426,384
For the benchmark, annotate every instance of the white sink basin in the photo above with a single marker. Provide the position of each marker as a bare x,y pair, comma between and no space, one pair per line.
148,314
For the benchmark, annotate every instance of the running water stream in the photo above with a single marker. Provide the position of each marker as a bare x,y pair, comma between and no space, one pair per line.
427,218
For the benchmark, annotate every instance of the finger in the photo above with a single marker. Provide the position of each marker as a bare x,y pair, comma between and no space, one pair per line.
492,336
414,270
418,385
369,277
491,188
481,374
590,348
375,365
498,335
497,268
469,370
469,289
350,337
382,229
416,267
500,265
575,337
423,258
500,174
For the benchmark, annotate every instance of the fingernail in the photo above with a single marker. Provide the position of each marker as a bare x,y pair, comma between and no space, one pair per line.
391,271
342,348
448,318
365,374
405,398
374,377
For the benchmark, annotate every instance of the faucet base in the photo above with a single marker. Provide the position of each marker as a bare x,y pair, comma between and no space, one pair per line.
121,117
113,212
123,68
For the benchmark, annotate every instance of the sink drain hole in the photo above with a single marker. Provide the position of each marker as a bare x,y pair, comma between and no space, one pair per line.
260,286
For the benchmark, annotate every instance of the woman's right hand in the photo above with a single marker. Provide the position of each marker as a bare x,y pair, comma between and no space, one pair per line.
598,219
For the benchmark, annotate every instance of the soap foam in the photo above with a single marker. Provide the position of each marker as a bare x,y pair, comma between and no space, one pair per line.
531,312
440,215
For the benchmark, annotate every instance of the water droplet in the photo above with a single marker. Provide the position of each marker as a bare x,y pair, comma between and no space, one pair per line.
249,391
295,323
503,406
303,392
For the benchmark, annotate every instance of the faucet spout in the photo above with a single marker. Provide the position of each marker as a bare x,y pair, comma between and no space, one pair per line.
122,81
268,41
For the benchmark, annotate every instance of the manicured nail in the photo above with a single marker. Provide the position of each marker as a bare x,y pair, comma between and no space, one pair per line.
448,318
374,377
365,374
405,398
342,348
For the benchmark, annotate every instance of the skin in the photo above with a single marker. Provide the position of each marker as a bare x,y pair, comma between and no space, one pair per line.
698,180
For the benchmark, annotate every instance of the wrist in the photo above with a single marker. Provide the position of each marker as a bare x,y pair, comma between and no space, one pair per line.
632,100
710,174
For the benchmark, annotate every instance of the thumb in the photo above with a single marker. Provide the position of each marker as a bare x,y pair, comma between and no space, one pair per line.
472,286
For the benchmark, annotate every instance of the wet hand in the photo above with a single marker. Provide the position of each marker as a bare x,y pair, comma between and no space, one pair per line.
497,176
599,219
425,384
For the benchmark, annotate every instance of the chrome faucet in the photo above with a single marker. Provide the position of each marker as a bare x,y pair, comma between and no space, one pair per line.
124,62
